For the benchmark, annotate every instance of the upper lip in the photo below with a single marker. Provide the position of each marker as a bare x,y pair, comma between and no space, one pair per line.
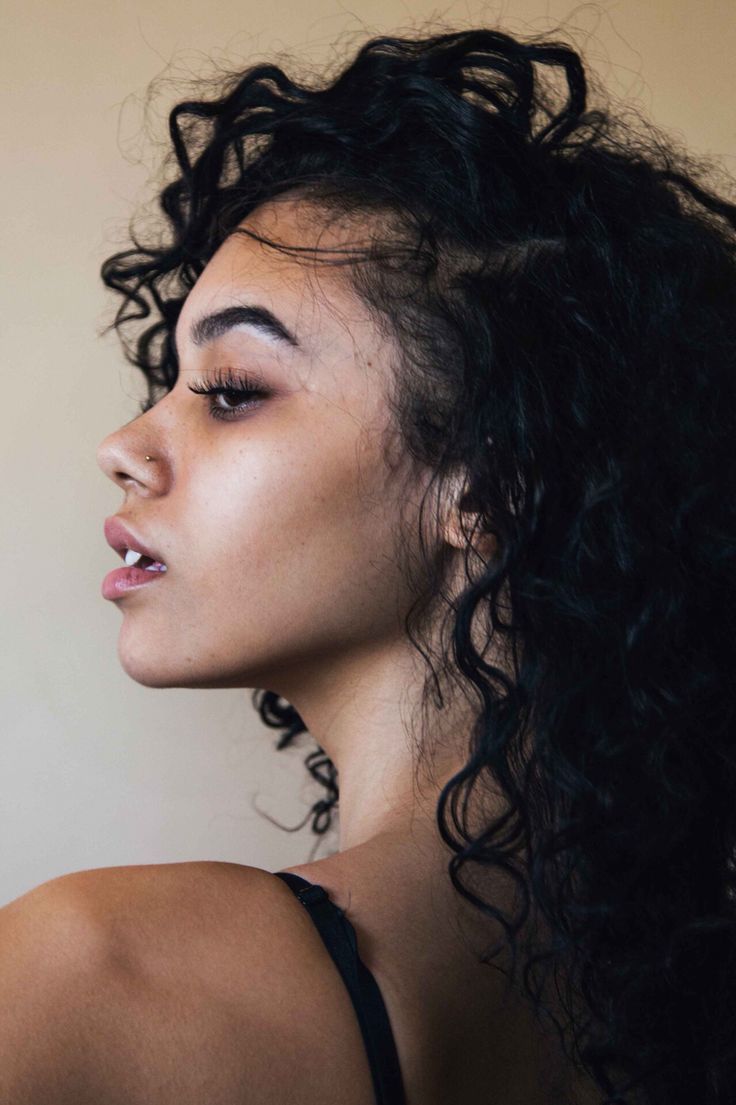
120,538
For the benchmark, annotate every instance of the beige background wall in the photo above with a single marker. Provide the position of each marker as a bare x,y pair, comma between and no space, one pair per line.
96,770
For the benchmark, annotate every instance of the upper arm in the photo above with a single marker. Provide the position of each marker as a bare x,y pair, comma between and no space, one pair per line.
54,968
102,1001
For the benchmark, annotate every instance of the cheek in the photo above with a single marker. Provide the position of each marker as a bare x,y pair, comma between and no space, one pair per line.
299,541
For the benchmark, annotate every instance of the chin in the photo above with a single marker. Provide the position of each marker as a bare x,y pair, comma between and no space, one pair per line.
144,664
147,671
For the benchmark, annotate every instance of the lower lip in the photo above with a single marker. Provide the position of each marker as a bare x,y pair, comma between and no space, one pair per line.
117,582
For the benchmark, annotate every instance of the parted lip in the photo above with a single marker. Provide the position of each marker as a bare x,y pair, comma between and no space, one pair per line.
120,538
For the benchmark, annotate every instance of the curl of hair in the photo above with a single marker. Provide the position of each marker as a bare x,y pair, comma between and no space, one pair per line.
562,286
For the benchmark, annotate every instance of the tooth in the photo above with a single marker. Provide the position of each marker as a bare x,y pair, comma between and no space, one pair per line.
132,557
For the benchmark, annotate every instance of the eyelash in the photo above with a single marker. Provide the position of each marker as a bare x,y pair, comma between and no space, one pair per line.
222,383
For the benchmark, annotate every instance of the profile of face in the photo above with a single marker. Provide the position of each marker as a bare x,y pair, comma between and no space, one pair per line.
277,520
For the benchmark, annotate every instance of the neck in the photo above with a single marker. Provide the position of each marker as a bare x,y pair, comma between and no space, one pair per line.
362,709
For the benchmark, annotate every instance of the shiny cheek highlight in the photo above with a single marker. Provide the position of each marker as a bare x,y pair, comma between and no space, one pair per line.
290,531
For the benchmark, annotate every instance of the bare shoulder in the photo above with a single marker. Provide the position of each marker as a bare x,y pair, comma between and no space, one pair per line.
51,959
177,982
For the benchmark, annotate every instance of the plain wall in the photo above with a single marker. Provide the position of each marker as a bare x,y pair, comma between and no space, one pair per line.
95,769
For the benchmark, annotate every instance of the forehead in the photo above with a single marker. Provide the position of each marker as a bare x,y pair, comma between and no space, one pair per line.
313,295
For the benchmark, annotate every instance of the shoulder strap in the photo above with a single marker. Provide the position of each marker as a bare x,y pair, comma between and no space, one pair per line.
340,940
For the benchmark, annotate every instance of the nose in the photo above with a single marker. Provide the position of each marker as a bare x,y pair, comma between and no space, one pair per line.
122,457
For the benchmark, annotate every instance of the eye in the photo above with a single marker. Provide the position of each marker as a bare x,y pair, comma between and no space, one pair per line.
244,391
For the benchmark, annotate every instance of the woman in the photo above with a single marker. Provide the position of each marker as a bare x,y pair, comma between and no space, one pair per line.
438,456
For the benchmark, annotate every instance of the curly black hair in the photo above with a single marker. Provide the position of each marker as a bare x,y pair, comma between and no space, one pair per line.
562,285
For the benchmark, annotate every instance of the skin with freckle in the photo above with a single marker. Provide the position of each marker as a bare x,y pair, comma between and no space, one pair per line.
279,528
266,522
439,499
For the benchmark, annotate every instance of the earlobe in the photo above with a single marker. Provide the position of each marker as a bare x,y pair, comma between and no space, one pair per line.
453,530
461,526
452,495
483,543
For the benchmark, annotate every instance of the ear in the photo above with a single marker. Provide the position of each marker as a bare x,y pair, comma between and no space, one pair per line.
459,515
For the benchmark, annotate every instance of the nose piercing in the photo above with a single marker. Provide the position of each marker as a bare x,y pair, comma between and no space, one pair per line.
149,458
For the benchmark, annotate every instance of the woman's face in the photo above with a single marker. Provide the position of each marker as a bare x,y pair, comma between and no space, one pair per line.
277,523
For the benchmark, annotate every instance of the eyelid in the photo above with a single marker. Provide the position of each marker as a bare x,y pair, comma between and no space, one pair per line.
247,388
218,380
231,378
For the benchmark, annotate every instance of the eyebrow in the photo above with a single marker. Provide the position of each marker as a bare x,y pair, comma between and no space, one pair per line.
209,327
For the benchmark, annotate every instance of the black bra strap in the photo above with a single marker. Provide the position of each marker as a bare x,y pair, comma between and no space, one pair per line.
340,940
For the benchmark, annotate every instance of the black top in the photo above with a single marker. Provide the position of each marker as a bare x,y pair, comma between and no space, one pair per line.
340,940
